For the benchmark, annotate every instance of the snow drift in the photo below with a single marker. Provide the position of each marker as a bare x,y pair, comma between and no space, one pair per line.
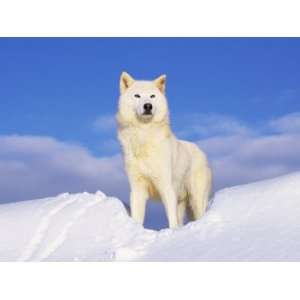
254,222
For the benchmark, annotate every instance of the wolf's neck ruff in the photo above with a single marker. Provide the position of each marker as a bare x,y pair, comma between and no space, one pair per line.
143,138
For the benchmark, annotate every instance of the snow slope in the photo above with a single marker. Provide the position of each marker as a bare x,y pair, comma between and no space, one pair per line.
254,222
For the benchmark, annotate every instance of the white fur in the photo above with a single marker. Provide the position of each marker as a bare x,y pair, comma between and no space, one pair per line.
158,164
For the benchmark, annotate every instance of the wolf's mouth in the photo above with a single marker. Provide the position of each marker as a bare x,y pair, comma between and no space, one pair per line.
147,113
145,116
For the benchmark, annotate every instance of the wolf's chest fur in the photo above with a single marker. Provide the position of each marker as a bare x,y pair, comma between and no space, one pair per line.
141,147
141,144
145,152
145,148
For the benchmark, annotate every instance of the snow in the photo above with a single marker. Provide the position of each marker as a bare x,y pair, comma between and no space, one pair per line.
254,222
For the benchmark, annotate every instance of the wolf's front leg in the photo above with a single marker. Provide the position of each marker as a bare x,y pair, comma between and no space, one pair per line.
170,202
138,199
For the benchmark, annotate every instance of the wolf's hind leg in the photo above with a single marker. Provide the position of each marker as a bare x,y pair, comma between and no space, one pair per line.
200,187
181,208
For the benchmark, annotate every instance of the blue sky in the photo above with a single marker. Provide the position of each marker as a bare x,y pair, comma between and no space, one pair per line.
58,87
61,94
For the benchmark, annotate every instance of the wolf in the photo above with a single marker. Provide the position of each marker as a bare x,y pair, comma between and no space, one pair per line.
159,166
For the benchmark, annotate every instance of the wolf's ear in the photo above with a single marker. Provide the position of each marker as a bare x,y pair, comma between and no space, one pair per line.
125,82
160,82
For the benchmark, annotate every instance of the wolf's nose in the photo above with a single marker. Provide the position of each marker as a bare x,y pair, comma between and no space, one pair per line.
147,106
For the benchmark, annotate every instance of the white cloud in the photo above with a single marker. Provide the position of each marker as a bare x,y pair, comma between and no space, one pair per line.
36,166
205,125
105,123
287,123
250,156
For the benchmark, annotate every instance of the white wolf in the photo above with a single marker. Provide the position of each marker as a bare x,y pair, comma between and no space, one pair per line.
158,165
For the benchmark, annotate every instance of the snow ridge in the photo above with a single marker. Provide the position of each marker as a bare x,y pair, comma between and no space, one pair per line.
254,222
44,225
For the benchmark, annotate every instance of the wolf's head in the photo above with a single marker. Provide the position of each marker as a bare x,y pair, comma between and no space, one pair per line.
142,101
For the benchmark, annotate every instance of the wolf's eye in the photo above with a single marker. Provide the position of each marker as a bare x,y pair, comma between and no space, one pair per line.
137,96
152,96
